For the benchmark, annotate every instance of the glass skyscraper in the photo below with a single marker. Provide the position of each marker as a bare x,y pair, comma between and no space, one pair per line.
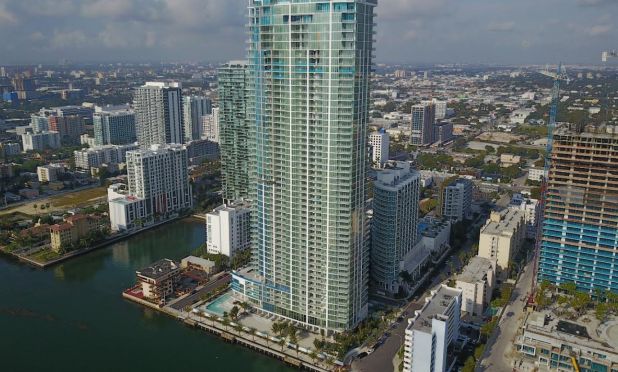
234,130
309,69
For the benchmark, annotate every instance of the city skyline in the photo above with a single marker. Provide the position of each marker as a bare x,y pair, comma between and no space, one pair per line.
410,31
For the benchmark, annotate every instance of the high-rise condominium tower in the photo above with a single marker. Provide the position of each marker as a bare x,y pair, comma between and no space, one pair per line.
309,69
194,108
158,113
580,226
234,130
423,118
114,126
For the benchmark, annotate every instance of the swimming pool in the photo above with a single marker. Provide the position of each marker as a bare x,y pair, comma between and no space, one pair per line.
220,305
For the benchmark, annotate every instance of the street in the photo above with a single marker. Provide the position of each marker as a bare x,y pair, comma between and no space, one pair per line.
495,357
383,356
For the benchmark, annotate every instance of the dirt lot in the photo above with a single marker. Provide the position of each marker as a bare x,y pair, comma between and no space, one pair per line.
61,202
500,137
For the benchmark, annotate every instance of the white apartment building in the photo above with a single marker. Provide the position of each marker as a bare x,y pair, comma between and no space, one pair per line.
40,141
228,229
158,187
536,174
532,213
457,200
477,282
380,143
432,330
210,126
158,113
114,125
501,237
99,155
394,223
50,172
440,107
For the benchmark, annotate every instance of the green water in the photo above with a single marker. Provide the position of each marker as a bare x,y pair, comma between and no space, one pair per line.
72,317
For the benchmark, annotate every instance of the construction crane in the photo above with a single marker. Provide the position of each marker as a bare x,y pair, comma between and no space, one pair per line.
559,76
609,54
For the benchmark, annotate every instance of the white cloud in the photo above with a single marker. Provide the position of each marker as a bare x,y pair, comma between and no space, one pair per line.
107,8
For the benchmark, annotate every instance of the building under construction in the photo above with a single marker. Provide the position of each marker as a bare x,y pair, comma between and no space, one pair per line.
580,227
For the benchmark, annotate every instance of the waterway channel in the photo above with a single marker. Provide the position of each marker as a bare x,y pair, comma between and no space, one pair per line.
71,317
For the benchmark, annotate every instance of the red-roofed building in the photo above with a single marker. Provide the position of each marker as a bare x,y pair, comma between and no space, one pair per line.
72,230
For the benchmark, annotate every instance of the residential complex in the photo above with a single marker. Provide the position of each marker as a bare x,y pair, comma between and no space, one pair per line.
100,155
158,187
580,227
194,109
114,126
72,230
536,174
228,229
532,213
456,199
50,172
501,238
431,333
158,114
423,118
477,282
380,143
210,126
159,279
234,129
70,128
40,141
394,223
309,69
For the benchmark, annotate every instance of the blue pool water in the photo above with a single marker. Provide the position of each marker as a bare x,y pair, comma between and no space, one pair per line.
216,307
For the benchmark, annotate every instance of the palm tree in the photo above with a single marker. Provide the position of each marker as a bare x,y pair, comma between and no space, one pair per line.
281,343
234,312
275,328
313,355
226,323
252,333
238,328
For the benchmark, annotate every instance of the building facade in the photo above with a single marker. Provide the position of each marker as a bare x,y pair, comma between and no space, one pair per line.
114,126
309,69
210,126
158,187
50,172
234,130
40,141
228,229
432,332
380,144
158,114
194,108
423,118
456,200
580,226
476,282
99,155
501,238
394,223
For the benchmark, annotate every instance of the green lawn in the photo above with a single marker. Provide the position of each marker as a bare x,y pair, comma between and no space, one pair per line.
44,256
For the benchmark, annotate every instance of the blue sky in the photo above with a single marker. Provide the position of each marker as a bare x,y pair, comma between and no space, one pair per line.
409,31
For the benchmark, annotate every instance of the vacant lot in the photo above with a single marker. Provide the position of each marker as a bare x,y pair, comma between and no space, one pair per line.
81,198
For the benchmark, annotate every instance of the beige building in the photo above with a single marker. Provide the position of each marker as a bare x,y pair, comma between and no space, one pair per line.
507,160
49,173
502,237
159,280
477,282
72,230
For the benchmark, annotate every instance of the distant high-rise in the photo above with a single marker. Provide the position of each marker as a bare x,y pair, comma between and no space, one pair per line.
234,130
158,187
456,200
114,126
380,143
210,126
423,118
70,128
309,68
158,114
580,226
195,107
39,123
394,224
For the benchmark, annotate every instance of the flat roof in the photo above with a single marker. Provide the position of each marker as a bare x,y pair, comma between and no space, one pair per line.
475,270
435,306
509,220
158,269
